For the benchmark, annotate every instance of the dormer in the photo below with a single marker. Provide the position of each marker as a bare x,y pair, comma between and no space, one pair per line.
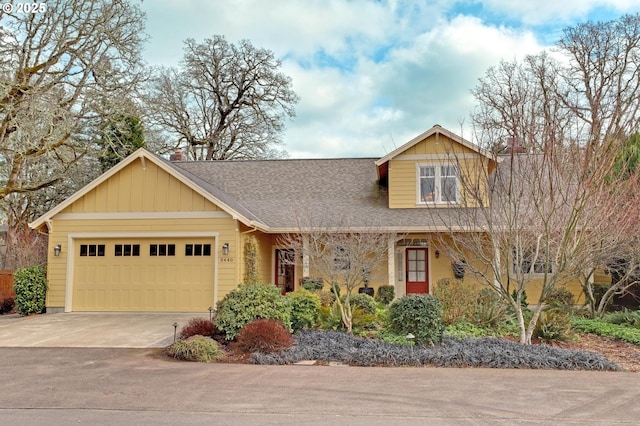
435,169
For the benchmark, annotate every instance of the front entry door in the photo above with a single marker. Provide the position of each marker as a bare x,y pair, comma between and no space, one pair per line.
417,271
285,269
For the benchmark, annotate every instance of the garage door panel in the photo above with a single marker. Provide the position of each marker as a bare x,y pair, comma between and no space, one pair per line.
144,282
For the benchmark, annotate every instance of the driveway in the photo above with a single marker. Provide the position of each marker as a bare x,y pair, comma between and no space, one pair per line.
92,330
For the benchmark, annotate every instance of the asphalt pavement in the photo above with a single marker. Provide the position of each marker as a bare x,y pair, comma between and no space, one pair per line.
109,368
62,386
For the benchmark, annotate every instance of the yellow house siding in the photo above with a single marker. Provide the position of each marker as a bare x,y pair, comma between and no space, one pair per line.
141,188
435,150
144,230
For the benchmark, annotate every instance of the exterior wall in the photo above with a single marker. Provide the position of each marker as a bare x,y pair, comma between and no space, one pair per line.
440,268
141,188
437,149
64,230
140,201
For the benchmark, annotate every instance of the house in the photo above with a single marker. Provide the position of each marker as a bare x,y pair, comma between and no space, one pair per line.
158,235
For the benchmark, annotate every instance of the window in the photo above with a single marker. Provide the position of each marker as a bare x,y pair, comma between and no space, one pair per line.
438,184
197,250
92,250
127,250
341,260
162,249
540,266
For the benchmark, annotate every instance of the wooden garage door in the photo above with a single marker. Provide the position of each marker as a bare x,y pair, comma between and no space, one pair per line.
172,275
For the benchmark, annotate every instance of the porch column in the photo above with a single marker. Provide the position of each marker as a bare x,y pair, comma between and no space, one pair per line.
305,256
391,260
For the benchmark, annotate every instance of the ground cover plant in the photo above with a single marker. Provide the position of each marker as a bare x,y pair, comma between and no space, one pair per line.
603,328
195,348
333,346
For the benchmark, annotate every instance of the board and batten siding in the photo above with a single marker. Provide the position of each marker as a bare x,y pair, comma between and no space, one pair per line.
436,149
144,201
141,188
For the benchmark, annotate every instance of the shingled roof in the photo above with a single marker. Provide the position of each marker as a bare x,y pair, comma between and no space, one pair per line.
281,194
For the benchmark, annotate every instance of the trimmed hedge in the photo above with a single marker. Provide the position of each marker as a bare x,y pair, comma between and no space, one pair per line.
30,286
418,314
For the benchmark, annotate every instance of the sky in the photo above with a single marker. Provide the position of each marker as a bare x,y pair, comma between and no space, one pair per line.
373,74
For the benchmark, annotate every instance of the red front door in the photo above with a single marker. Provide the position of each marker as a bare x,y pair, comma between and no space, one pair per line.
417,271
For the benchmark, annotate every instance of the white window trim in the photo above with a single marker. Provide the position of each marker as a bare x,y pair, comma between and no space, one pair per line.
438,189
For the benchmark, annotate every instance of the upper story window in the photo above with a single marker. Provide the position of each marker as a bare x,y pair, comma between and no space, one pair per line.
438,184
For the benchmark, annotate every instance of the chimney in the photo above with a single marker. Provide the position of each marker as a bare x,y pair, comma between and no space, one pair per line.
515,145
178,156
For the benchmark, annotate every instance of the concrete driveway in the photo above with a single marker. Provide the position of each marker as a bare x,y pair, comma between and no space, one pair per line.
92,330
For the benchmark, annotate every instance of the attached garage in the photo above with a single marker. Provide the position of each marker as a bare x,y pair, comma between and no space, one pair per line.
143,274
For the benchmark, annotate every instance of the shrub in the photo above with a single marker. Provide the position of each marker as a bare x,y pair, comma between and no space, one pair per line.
326,297
459,300
264,335
490,309
251,259
362,301
198,327
625,317
560,296
553,326
30,286
311,283
305,308
330,317
7,303
362,320
385,294
248,303
195,348
418,314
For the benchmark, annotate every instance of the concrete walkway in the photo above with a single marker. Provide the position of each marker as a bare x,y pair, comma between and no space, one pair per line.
92,330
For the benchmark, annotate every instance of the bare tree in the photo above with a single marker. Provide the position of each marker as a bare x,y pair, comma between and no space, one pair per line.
534,227
345,259
550,216
63,70
602,77
225,101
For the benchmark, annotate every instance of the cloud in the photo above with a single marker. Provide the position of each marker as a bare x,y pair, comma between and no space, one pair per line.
371,74
540,12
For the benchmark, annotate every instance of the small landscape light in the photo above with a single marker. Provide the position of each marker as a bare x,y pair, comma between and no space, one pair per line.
210,313
410,338
175,331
